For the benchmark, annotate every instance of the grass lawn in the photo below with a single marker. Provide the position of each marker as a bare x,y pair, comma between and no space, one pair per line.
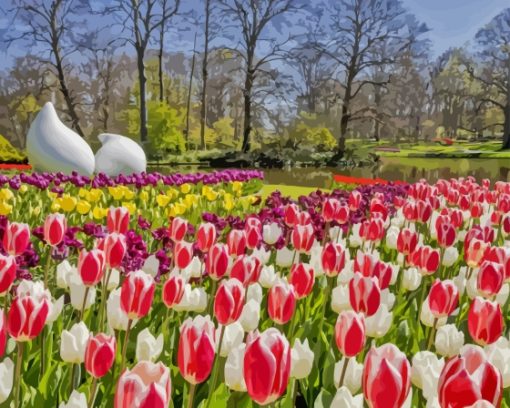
292,191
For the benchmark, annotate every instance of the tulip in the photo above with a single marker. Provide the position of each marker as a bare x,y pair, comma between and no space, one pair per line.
229,301
151,265
350,333
443,298
193,300
411,279
485,321
291,214
64,273
253,232
468,378
117,220
281,301
82,297
183,253
302,279
27,317
340,298
137,293
216,264
234,369
114,247
178,229
16,238
231,337
445,233
407,241
236,242
386,377
148,348
173,290
116,317
344,399
333,259
449,340
301,359
285,257
54,228
302,238
250,316
490,278
426,259
147,384
364,294
426,368
3,335
379,324
355,198
7,376
206,236
196,351
99,355
73,343
91,266
498,353
76,400
271,233
352,372
269,353
450,256
372,229
330,209
8,269
475,252
246,269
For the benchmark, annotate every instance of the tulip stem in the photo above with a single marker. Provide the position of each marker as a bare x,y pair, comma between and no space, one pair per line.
124,346
92,395
17,376
73,374
86,294
46,268
344,371
431,334
327,291
326,232
216,368
43,359
103,298
191,395
214,285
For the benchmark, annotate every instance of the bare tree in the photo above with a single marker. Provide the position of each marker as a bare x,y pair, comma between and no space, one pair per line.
254,17
49,27
167,13
190,86
205,60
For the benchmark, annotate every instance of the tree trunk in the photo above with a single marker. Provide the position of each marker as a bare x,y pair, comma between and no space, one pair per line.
188,104
160,61
203,105
506,129
141,86
344,122
248,85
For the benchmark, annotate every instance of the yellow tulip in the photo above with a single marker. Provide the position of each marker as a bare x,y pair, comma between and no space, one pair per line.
144,195
128,194
99,212
36,211
51,194
55,205
172,193
23,189
185,188
94,195
67,203
83,207
131,207
211,195
82,192
116,192
6,194
5,208
162,200
237,186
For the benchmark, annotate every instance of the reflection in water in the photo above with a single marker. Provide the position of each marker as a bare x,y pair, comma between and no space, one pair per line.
389,168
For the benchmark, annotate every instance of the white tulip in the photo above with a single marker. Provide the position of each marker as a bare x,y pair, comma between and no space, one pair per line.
37,290
250,316
262,255
77,289
481,404
502,295
398,219
148,348
117,318
355,239
254,292
74,342
392,237
427,318
498,354
335,233
114,280
449,340
271,233
472,284
400,259
302,359
378,324
451,255
352,378
344,399
151,266
55,310
388,298
316,261
460,280
64,272
409,399
433,403
347,273
285,257
426,369
193,300
7,375
340,299
232,338
268,277
234,377
76,400
411,279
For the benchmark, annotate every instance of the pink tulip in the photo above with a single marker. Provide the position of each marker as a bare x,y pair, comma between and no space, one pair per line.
281,301
236,242
350,333
54,228
355,198
302,238
407,241
216,264
302,279
291,213
253,232
364,294
16,238
117,220
426,259
173,290
485,321
91,266
246,269
136,294
3,333
206,236
8,269
100,355
490,278
333,259
178,229
443,298
27,317
183,253
229,301
330,209
114,247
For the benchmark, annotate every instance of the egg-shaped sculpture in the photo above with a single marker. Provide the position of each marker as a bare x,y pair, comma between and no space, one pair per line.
119,155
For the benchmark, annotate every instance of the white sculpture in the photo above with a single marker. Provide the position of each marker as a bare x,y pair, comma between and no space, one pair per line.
52,146
119,155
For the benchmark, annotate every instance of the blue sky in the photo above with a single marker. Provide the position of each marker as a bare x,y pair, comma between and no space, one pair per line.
454,22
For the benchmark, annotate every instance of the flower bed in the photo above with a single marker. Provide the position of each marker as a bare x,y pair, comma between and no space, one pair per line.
392,295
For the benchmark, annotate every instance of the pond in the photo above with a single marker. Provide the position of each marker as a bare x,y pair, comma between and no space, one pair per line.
389,168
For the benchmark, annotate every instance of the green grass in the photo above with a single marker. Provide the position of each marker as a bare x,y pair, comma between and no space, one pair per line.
292,191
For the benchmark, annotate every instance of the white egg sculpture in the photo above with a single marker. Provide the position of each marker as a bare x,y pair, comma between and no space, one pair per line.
53,147
119,155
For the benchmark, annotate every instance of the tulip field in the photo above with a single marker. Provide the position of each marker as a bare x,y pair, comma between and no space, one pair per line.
191,290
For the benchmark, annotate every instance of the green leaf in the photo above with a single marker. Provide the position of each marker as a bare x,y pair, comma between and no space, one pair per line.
323,400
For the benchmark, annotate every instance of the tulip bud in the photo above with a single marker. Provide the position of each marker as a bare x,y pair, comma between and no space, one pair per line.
267,349
271,233
16,238
229,301
27,317
91,266
302,279
117,220
411,279
301,359
196,351
350,333
173,290
73,343
148,348
333,259
386,376
100,354
490,279
246,269
136,294
178,229
449,340
364,294
183,252
250,316
443,298
7,376
485,321
54,228
8,269
236,242
281,301
206,236
114,247
216,264
302,238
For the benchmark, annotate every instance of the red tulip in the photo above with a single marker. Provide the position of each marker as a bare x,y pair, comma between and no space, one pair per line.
350,333
206,236
183,253
114,247
303,218
16,238
490,278
100,354
146,385
410,211
291,213
423,211
386,377
54,228
229,301
281,301
253,232
117,220
372,229
407,241
246,269
27,317
236,242
302,238
364,294
426,259
378,209
475,252
8,269
136,294
333,259
445,232
302,279
91,266
330,209
3,333
355,198
468,378
505,225
476,210
266,366
178,229
500,255
216,264
443,298
173,290
196,351
485,321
